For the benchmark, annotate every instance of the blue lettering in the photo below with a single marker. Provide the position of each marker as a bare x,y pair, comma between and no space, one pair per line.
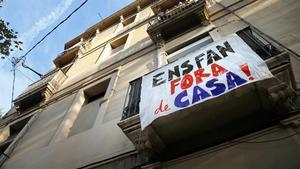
219,88
234,80
199,93
178,100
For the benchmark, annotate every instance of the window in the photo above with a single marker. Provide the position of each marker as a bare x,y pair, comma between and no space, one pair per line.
258,44
11,133
88,45
89,111
118,45
189,47
128,21
33,99
132,99
96,92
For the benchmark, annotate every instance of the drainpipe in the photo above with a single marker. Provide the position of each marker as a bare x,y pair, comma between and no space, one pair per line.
5,155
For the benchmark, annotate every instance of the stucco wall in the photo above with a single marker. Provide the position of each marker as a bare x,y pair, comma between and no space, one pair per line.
43,129
104,35
145,13
84,63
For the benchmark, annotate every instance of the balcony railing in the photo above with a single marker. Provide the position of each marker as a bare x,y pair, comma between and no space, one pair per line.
133,99
173,18
176,10
258,43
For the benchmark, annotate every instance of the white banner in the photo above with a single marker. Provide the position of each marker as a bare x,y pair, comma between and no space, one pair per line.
199,76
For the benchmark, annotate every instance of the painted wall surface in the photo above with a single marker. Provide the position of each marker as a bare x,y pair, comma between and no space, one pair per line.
85,62
104,35
145,13
139,34
42,131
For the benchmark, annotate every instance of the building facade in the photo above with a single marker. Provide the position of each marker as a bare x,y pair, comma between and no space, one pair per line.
85,113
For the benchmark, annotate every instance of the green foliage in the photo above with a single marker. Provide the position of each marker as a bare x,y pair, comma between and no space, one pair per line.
8,38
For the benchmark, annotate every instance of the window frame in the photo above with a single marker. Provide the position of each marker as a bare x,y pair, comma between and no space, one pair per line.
129,20
114,45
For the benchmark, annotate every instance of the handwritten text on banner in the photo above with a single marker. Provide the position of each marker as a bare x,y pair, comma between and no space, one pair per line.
199,76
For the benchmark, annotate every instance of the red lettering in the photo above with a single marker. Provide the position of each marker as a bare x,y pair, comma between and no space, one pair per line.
199,74
167,107
174,83
187,81
162,108
217,70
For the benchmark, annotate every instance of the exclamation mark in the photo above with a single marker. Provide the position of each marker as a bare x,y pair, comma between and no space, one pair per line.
246,70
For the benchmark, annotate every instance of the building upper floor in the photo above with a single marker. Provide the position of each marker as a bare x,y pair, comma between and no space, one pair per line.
166,26
87,91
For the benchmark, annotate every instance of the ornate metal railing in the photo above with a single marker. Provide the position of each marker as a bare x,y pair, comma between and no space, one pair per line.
172,12
263,47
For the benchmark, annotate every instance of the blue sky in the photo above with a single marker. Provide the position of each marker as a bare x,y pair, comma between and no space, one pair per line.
33,19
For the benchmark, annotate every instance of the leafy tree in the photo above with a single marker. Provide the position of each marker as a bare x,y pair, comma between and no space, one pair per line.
8,38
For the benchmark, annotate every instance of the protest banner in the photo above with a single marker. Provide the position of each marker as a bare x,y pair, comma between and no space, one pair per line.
199,76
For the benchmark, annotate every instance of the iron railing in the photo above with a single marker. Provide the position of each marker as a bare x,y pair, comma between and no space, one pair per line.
176,10
132,101
263,47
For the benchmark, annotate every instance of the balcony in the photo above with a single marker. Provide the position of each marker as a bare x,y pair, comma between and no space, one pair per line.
174,18
40,91
237,113
67,56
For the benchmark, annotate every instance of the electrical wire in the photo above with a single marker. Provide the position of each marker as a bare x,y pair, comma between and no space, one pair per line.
31,69
16,67
14,61
23,74
52,30
99,14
